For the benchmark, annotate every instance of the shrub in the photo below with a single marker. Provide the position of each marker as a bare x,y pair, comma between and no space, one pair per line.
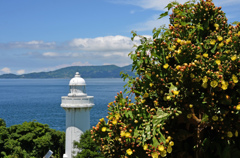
187,91
88,148
30,139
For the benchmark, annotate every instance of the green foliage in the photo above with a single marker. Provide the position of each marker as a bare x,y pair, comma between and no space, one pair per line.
187,97
88,148
30,139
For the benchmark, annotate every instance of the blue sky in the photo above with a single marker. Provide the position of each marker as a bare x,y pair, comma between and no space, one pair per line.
45,35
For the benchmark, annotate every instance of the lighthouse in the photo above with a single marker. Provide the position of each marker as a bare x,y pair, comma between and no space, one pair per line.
77,106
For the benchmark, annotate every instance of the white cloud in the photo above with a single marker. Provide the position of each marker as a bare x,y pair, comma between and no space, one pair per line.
28,45
107,43
6,70
20,72
50,54
59,55
148,4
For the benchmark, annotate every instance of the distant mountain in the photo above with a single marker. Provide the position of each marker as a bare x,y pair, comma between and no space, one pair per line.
105,71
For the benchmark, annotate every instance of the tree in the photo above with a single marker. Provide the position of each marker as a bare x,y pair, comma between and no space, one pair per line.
30,139
88,148
187,91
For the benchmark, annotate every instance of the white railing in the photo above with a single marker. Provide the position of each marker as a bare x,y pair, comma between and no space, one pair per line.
77,101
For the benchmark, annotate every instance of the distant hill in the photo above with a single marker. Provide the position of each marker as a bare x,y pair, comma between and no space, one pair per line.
105,71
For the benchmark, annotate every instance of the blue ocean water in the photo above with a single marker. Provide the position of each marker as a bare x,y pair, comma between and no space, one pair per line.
39,99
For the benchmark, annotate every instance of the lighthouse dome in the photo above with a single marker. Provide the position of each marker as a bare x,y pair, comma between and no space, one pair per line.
77,86
77,80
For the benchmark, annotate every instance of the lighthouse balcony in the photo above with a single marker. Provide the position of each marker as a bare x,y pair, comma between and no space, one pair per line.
77,102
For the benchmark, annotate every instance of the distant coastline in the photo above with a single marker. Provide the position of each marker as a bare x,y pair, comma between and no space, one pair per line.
105,71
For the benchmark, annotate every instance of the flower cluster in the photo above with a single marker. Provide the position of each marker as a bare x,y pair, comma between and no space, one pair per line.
186,91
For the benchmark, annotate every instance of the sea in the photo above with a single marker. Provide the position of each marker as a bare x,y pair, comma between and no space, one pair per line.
39,99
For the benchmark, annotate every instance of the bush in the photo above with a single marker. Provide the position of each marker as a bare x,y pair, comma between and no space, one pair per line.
88,148
187,91
30,139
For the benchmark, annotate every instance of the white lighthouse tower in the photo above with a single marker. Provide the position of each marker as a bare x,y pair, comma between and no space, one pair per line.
77,106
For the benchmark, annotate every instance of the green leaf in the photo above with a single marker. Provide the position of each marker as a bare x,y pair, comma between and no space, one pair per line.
163,15
171,5
155,142
214,49
235,22
204,118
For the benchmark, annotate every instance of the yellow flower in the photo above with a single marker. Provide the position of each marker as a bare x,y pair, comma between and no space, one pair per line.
179,40
169,138
171,143
174,47
101,120
104,129
227,51
205,79
145,147
131,104
117,116
151,84
168,97
238,107
160,147
198,56
178,51
154,155
129,151
183,42
145,95
221,44
122,133
215,118
192,75
164,153
204,85
189,42
114,122
234,57
169,149
127,134
229,134
170,49
176,92
228,40
236,133
214,83
178,67
165,66
225,86
218,62
212,42
189,116
220,38
235,79
216,25
205,55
